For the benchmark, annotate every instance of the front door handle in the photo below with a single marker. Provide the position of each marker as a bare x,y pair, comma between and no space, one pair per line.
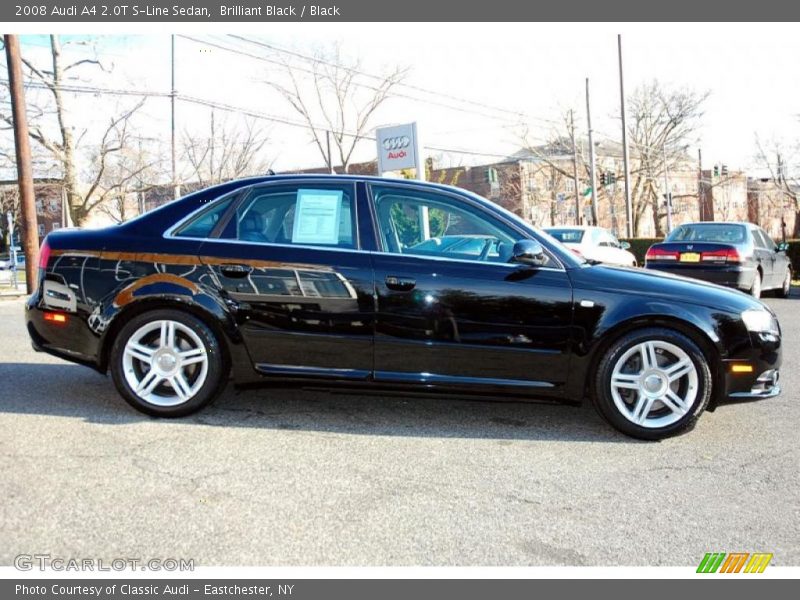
235,270
400,284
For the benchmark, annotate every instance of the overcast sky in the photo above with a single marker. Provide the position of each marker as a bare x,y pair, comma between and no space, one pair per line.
536,69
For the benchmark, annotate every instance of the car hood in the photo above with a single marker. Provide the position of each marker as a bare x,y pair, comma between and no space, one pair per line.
628,280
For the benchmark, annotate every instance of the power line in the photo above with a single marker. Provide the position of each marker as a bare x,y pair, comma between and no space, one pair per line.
360,84
238,110
410,86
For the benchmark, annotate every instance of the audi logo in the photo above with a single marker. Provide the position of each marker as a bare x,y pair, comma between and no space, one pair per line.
395,143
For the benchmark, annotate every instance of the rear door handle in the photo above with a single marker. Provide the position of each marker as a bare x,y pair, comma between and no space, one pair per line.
235,270
400,284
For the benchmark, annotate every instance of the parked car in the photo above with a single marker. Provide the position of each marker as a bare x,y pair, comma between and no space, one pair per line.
7,263
594,243
737,255
332,279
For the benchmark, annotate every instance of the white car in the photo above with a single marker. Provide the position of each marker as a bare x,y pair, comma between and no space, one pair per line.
594,243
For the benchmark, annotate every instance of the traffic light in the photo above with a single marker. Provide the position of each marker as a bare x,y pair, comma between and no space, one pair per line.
491,175
603,179
612,178
716,170
724,170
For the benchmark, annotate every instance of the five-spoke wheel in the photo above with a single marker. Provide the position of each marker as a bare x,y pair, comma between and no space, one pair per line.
653,383
167,363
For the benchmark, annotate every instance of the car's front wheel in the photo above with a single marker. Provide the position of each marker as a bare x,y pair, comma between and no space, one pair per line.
652,383
167,363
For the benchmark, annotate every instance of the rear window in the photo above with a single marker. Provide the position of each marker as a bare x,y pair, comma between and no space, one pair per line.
711,232
567,236
311,216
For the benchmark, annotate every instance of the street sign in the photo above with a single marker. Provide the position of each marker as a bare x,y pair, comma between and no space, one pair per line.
398,148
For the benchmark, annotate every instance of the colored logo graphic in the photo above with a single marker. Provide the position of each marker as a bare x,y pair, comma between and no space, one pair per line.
735,562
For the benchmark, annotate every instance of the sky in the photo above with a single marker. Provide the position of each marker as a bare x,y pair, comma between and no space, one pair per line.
467,80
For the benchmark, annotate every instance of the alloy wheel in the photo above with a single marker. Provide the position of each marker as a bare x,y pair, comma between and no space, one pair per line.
654,384
165,363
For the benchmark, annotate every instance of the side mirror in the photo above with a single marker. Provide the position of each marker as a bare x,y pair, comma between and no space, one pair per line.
528,252
625,245
783,246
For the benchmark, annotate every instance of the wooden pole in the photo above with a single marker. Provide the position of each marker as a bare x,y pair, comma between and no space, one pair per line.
30,231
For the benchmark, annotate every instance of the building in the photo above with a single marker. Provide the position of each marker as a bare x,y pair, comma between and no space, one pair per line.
770,207
50,202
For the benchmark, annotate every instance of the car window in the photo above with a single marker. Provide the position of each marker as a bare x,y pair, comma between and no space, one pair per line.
567,236
708,232
423,223
767,241
310,215
606,239
203,224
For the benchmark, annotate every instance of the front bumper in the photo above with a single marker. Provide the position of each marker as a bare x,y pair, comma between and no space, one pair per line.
754,373
734,276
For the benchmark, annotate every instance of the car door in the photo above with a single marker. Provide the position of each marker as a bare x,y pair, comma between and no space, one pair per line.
765,257
287,259
470,318
779,260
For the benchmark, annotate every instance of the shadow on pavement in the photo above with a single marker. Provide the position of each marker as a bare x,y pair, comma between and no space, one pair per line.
66,390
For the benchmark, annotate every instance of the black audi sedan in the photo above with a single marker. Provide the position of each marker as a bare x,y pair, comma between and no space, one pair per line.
358,281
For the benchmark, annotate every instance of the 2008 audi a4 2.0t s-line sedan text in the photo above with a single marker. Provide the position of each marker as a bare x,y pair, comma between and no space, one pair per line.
357,281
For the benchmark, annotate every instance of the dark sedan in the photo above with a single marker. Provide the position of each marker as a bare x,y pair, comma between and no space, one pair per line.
334,279
737,255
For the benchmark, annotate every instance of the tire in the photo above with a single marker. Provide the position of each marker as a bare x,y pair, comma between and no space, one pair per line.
786,286
755,289
174,360
638,396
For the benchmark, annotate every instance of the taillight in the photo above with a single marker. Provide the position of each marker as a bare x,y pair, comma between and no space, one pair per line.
724,255
44,254
661,254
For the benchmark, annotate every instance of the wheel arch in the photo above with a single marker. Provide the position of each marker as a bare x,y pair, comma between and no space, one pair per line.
695,333
180,303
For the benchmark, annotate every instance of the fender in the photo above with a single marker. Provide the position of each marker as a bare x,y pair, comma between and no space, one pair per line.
165,290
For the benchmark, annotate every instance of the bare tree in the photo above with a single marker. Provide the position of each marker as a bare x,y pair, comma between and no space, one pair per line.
781,164
334,101
228,152
663,123
63,146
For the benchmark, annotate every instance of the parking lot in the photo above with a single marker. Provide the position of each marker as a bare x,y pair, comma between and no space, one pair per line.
303,477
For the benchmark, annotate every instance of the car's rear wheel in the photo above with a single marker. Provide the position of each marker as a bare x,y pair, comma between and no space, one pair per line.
167,363
652,383
786,287
755,289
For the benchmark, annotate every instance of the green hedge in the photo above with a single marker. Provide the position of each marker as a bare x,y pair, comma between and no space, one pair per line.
639,248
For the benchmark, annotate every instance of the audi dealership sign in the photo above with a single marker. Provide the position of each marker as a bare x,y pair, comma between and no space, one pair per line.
398,148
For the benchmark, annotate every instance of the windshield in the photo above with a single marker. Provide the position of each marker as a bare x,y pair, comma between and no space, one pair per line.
708,232
567,236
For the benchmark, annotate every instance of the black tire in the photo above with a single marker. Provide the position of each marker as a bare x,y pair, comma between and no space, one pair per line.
755,289
786,286
215,379
602,395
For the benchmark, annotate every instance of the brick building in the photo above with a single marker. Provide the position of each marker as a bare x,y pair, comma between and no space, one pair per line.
50,200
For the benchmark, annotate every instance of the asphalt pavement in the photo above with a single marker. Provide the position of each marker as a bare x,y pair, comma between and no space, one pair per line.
285,476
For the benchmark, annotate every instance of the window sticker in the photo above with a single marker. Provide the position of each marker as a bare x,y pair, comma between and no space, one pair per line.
316,217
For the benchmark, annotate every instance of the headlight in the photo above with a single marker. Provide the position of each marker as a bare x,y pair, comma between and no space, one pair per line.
760,321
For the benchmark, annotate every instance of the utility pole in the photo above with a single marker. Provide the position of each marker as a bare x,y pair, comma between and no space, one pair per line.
330,158
30,232
575,168
628,203
701,197
175,188
591,156
667,193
